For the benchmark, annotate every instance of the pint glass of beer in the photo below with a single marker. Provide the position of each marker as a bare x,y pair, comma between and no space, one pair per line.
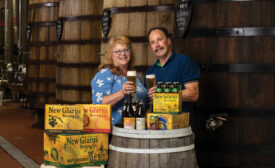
150,81
132,76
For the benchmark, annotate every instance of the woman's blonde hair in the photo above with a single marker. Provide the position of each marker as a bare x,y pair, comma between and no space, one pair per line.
108,60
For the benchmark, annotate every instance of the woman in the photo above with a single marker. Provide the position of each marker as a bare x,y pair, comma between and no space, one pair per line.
110,85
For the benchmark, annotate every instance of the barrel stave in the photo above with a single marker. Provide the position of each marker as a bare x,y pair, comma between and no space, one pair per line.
78,48
117,159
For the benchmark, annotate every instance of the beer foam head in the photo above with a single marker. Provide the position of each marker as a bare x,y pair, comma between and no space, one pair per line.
151,76
131,73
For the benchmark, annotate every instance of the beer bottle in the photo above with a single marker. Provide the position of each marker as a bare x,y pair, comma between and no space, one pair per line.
167,87
178,86
173,88
159,87
163,85
129,119
123,112
135,106
140,117
124,105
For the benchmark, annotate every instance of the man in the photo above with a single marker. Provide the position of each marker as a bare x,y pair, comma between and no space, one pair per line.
172,67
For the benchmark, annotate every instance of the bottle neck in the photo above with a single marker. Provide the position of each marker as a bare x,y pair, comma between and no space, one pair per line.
140,112
129,99
129,108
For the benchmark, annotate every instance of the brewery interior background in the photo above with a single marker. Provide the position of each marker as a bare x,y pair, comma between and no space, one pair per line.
50,50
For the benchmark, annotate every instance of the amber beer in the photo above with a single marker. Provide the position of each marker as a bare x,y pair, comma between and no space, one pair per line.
150,81
132,76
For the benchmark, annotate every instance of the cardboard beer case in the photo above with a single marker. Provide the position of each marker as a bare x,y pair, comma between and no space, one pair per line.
169,121
75,150
63,119
167,103
97,118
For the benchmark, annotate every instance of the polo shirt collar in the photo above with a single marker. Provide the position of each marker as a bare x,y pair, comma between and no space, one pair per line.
171,58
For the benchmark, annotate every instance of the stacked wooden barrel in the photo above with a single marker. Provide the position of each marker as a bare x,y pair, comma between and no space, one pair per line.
234,42
78,49
134,19
41,75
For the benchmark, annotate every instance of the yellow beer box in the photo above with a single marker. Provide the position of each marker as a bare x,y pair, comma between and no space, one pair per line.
63,118
72,150
97,118
167,103
168,121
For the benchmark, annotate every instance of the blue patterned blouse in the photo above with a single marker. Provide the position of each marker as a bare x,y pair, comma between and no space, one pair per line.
105,83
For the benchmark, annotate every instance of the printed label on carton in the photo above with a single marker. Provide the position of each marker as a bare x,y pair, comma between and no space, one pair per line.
97,118
167,103
75,150
63,118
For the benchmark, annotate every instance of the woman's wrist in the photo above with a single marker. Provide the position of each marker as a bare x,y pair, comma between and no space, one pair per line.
122,93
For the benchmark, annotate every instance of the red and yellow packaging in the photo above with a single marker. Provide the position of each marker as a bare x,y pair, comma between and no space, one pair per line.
67,151
129,122
63,118
169,121
97,118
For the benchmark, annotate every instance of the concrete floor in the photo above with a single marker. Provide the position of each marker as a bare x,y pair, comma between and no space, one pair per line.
16,127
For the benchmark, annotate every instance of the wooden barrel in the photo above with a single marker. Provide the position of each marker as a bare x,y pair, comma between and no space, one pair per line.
152,148
41,73
134,19
78,49
234,41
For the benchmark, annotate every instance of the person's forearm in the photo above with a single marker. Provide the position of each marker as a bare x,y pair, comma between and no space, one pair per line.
191,92
190,95
113,98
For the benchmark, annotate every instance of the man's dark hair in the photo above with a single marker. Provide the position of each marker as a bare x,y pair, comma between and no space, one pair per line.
163,29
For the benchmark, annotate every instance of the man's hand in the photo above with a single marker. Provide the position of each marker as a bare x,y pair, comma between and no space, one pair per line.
151,91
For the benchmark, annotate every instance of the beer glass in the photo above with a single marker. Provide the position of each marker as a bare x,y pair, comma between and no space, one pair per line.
132,76
150,81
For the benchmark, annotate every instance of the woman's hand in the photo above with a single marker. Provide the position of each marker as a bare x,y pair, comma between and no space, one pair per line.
151,91
127,88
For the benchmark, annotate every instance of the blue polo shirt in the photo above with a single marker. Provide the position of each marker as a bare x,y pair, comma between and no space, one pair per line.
178,68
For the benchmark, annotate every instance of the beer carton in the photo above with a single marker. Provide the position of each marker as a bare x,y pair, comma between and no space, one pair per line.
169,121
63,118
97,118
167,103
67,151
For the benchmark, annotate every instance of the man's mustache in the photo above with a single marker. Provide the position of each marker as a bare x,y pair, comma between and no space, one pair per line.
159,48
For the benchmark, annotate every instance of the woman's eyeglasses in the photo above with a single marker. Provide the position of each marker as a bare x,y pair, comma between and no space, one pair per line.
119,52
